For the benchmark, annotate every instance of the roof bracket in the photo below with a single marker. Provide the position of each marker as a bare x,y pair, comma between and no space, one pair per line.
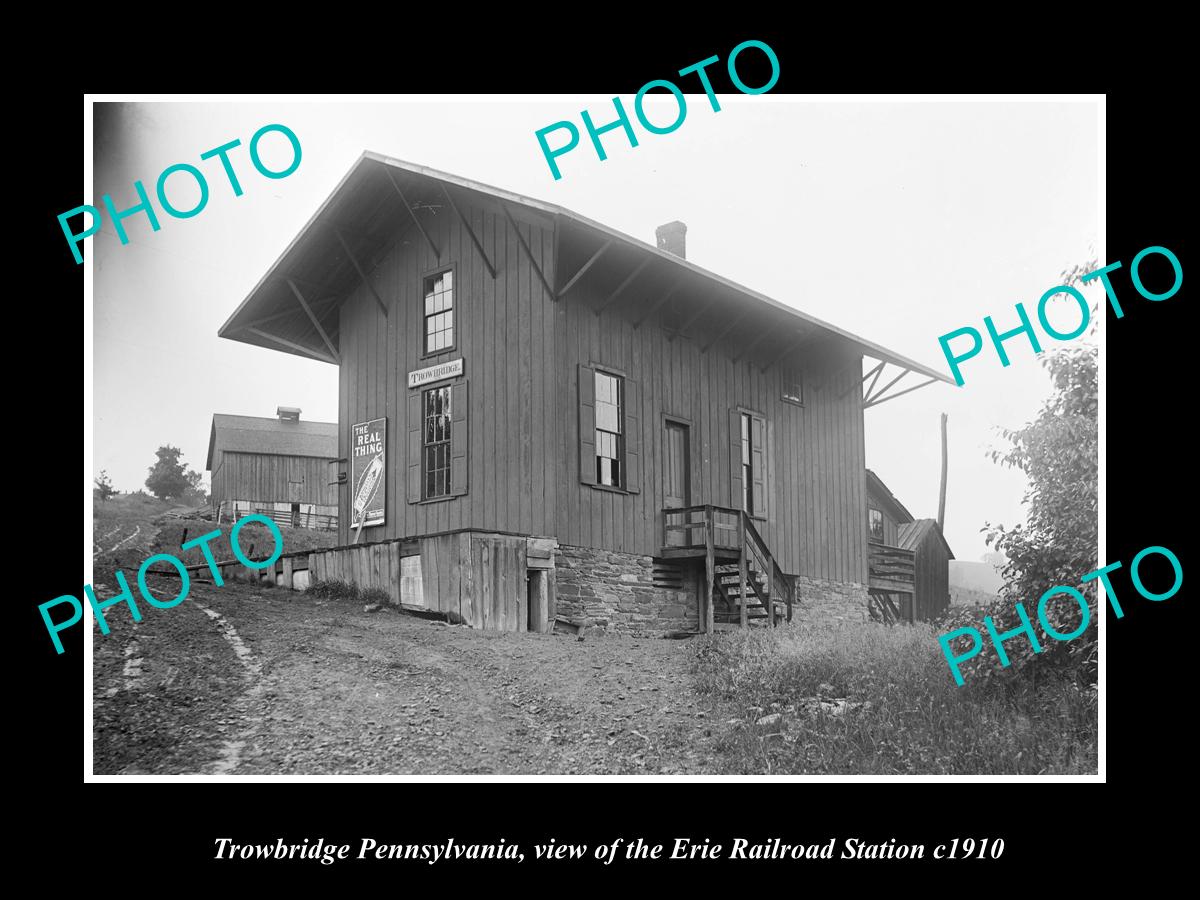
724,332
877,371
358,268
408,208
624,284
693,318
657,304
312,352
877,401
529,253
745,351
316,324
788,348
583,269
470,231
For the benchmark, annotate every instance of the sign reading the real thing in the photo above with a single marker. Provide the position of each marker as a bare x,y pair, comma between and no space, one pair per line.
368,471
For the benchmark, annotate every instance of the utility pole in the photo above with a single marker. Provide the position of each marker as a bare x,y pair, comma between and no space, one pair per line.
942,489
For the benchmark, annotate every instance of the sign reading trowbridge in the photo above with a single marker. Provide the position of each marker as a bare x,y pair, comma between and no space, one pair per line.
440,372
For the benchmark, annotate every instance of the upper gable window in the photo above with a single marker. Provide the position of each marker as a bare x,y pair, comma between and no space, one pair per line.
439,312
793,387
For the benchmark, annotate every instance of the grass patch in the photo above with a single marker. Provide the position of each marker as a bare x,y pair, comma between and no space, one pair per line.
254,535
335,590
918,720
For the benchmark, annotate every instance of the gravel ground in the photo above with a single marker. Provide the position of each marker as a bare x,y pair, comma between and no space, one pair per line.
243,679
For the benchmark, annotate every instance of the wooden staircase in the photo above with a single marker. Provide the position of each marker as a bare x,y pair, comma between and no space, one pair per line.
746,586
728,600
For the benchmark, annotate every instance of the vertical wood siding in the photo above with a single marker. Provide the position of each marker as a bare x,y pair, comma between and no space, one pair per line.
264,478
521,353
932,578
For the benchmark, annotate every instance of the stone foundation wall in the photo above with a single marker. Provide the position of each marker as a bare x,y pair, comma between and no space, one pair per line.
829,603
616,591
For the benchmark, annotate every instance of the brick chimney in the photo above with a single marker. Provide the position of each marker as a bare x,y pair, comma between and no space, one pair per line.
288,413
672,237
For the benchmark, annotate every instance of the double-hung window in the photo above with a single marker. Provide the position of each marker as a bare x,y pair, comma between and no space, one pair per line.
749,477
439,312
747,464
610,440
436,440
609,418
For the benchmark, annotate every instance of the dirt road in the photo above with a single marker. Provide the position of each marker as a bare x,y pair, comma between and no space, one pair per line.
243,679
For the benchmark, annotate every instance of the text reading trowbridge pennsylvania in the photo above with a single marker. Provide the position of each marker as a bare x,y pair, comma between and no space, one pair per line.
368,848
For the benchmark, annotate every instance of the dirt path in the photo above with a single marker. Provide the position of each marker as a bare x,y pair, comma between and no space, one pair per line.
250,680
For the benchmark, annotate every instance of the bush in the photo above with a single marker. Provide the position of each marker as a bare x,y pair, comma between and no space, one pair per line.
334,589
374,595
348,591
903,712
1075,659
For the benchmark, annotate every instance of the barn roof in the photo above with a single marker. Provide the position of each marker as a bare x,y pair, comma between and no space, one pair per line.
293,308
876,486
913,534
256,434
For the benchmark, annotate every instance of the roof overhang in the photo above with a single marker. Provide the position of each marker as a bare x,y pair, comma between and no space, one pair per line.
293,307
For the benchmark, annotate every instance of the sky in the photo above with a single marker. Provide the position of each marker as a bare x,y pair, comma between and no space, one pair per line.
896,221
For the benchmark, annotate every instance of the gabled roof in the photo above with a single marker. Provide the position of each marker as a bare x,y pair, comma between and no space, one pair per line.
876,487
293,308
913,534
256,434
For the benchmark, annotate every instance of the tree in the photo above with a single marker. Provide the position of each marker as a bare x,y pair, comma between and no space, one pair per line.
1056,545
196,490
104,486
168,477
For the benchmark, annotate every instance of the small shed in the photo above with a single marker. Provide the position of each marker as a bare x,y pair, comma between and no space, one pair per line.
931,592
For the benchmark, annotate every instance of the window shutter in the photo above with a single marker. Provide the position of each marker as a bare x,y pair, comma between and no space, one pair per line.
735,459
587,424
633,437
413,455
758,463
769,452
458,438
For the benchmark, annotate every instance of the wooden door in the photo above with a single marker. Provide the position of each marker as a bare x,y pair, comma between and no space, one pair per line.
677,476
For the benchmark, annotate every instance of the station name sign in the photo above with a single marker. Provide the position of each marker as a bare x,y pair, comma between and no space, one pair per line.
440,372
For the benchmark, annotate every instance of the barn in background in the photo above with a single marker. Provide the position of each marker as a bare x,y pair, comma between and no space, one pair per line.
280,467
